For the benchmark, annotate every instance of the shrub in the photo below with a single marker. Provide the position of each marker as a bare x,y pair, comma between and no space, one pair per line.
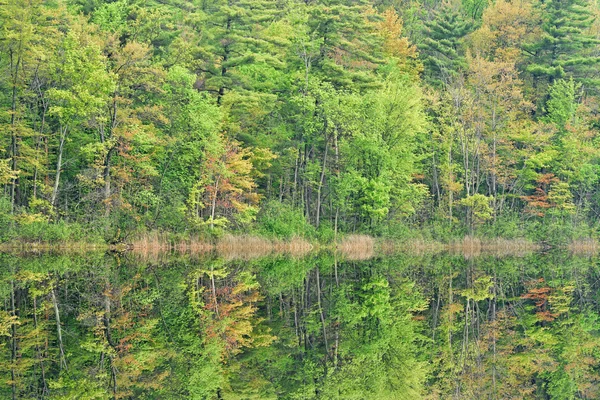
282,220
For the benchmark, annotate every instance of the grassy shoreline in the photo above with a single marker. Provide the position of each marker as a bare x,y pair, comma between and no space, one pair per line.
353,246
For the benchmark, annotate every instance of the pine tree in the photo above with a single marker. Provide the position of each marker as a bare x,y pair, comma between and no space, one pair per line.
349,47
234,40
565,48
441,49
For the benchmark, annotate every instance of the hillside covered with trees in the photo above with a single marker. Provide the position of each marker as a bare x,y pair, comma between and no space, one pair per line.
181,123
292,117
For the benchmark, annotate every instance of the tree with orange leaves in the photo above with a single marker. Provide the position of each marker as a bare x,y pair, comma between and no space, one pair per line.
395,45
226,191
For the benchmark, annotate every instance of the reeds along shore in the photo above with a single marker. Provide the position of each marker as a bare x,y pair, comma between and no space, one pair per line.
356,247
468,246
351,247
584,247
230,247
471,246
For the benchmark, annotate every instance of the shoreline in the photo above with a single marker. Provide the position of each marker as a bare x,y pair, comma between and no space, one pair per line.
356,247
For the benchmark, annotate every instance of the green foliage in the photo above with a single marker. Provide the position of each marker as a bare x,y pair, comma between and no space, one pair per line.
280,220
478,206
441,50
565,46
561,106
307,118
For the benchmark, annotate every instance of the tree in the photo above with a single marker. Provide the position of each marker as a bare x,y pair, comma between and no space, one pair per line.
397,46
441,50
234,40
478,209
381,150
226,186
565,49
506,28
29,34
561,105
81,91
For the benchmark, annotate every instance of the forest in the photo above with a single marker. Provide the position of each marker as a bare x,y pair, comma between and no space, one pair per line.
299,199
299,118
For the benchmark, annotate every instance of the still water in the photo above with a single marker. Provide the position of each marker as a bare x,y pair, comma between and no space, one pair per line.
439,326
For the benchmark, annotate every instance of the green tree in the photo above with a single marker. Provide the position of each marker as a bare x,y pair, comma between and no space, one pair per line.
82,89
566,48
561,105
441,51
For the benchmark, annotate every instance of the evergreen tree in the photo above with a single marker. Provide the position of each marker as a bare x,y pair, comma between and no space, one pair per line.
234,41
566,47
441,49
349,47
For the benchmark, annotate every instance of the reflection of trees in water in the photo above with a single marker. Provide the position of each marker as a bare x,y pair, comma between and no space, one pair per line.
438,325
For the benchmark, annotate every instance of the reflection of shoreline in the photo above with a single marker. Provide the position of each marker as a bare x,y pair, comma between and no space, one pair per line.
352,247
230,247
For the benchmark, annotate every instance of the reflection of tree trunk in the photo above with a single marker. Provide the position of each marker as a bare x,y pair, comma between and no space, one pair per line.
305,306
38,352
436,314
107,315
335,269
214,290
281,310
337,324
466,333
13,347
108,333
63,135
63,361
450,299
296,327
321,312
494,327
160,307
113,376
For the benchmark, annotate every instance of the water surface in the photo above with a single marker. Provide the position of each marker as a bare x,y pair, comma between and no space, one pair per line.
127,326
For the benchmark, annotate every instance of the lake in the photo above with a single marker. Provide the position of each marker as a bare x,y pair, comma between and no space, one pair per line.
321,325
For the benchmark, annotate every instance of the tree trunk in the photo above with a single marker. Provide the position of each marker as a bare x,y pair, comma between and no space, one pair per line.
106,176
63,136
14,66
214,203
318,216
